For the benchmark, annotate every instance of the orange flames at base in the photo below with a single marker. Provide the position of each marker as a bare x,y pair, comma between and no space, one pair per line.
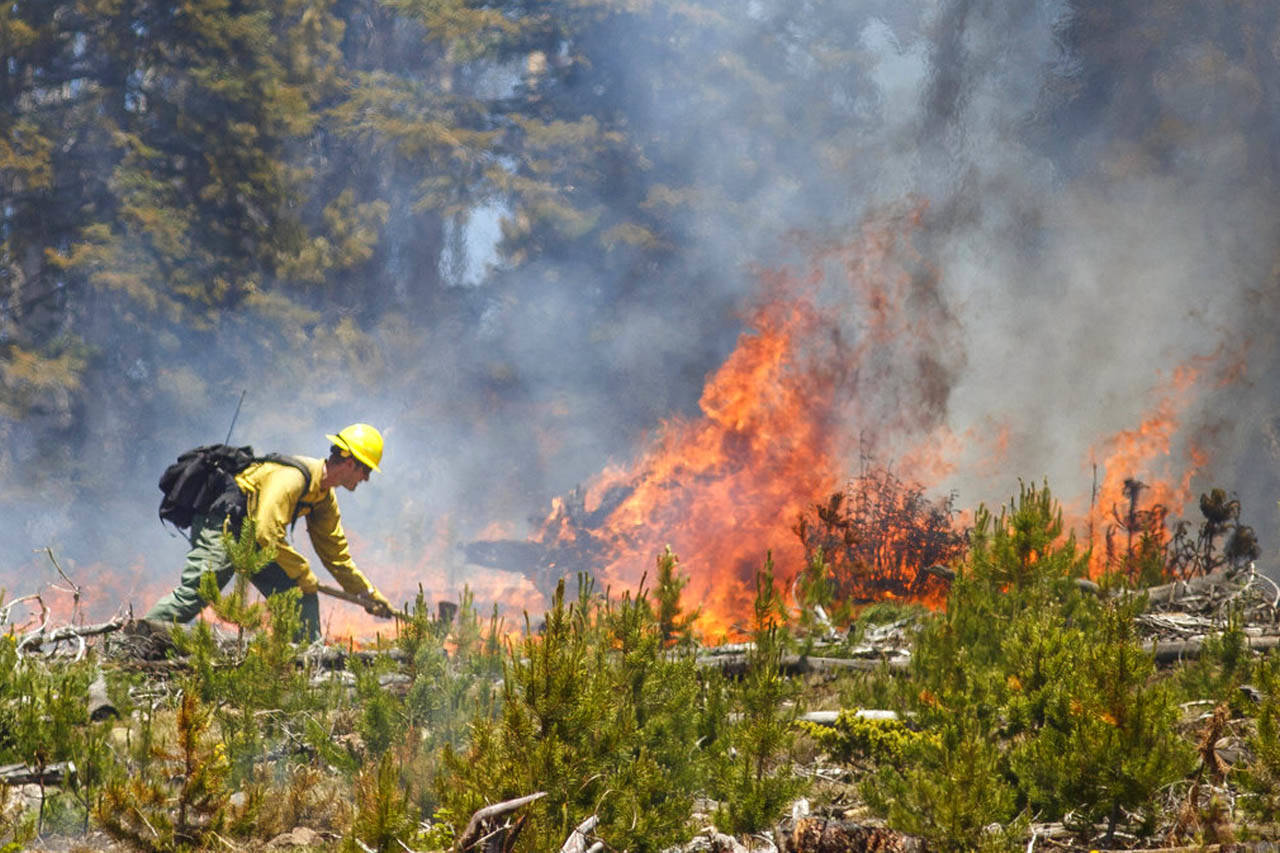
726,488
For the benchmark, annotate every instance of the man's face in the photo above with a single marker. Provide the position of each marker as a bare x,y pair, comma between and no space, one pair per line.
351,473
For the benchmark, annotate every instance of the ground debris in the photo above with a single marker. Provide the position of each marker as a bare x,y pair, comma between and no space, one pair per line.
299,836
815,834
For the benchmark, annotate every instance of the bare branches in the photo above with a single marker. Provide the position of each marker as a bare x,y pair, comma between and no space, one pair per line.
75,590
879,535
8,608
34,640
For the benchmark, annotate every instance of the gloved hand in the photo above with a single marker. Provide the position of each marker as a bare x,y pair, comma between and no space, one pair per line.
309,583
377,604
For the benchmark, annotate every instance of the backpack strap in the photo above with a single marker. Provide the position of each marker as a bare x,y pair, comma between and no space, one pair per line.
298,464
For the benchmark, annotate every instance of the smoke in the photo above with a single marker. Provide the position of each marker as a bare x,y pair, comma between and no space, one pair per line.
1091,220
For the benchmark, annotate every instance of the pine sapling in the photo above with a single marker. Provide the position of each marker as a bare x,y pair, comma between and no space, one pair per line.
673,622
759,782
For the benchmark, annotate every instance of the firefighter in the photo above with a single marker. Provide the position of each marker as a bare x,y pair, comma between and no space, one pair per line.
273,495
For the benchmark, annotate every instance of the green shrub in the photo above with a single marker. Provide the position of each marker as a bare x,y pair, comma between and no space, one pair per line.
756,781
181,801
598,714
1040,696
950,788
1108,743
1224,664
385,820
44,720
853,738
1260,777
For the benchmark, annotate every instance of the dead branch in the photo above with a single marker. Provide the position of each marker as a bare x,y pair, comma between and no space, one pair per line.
75,590
478,828
1224,580
577,840
4,611
33,640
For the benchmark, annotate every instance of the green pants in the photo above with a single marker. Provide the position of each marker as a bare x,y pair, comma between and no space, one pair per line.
208,554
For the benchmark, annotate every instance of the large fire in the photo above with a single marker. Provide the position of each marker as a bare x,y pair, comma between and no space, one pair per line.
784,417
852,355
725,489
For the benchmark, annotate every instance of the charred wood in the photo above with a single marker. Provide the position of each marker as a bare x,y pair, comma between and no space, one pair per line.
568,543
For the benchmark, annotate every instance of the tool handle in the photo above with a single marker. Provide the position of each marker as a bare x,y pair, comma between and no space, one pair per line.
354,598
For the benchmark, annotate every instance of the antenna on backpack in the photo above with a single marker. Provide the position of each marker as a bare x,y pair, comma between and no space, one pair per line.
236,415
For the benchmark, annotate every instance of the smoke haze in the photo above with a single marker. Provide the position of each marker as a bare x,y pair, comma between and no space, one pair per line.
1089,224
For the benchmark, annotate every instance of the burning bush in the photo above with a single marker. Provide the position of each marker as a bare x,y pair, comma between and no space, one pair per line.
1141,547
878,537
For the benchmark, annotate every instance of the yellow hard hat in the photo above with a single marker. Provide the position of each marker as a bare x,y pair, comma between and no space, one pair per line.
361,441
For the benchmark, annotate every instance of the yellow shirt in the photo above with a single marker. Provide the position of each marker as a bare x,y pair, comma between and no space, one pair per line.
272,490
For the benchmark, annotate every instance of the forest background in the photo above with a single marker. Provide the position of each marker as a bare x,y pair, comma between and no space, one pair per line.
519,237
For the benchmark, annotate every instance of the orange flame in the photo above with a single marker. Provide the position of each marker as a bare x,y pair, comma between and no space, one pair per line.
1150,453
725,488
773,437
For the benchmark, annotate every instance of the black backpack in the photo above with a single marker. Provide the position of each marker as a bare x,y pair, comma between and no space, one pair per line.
203,482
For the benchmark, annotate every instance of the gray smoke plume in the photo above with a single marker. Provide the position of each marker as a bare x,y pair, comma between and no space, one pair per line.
1092,218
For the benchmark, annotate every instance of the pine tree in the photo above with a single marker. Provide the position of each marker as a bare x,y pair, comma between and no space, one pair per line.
599,715
758,782
1041,696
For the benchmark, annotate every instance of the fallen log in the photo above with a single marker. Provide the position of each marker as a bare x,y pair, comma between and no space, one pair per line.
100,705
23,774
1165,652
829,718
1167,593
1172,651
1224,580
735,665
